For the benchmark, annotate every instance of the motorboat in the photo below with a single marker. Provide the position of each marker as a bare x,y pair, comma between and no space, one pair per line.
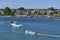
16,25
30,32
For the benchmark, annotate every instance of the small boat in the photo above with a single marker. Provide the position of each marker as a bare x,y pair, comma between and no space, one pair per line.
14,25
30,32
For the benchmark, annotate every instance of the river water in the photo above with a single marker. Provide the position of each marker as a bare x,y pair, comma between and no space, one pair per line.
41,25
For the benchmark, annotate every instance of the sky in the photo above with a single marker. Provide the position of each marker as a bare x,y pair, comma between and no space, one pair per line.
30,4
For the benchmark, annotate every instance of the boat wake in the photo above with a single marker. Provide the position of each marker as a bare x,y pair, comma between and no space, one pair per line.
48,35
39,34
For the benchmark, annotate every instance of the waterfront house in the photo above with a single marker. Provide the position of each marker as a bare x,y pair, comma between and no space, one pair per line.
50,13
33,12
27,12
18,12
58,11
1,11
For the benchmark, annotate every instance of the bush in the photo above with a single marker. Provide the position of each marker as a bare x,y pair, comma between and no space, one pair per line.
56,14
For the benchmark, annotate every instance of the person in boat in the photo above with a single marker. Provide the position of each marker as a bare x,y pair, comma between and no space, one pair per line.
30,32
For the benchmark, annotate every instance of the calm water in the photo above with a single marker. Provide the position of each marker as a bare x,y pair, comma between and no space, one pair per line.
40,25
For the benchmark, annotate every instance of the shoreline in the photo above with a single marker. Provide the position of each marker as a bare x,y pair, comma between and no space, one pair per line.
27,16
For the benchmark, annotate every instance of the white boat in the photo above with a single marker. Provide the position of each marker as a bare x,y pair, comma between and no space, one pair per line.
30,32
14,25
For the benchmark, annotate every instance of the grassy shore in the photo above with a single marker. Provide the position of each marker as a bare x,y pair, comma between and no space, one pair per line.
27,15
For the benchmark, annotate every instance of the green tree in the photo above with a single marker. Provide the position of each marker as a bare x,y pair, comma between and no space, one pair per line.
21,9
56,12
13,12
40,13
0,13
51,8
7,11
45,13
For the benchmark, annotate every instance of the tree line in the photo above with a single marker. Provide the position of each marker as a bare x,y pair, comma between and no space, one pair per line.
7,11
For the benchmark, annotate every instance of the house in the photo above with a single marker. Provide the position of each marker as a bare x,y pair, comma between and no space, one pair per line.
18,12
27,12
49,12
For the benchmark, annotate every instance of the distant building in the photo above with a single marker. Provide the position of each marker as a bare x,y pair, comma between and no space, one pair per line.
49,12
27,13
58,11
33,12
18,12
